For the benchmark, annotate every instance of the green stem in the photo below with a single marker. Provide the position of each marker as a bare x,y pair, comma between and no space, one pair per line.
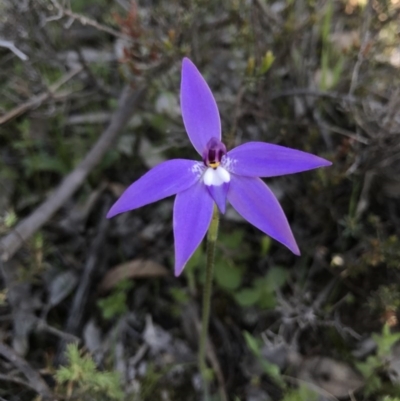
211,241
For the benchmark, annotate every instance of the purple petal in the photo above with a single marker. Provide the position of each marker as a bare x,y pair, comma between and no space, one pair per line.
259,159
193,210
199,109
254,201
166,179
218,193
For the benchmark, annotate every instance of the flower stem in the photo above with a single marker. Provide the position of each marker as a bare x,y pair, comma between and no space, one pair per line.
211,241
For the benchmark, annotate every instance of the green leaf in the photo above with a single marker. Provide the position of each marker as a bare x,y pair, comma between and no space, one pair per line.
273,372
252,343
267,300
228,276
303,393
275,278
233,240
266,62
385,341
196,260
326,25
179,295
81,371
115,304
369,367
44,163
248,296
251,63
265,245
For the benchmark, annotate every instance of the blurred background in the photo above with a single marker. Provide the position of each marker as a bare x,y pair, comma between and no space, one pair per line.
89,307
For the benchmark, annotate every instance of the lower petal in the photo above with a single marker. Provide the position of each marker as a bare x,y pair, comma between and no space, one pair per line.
193,210
218,193
254,201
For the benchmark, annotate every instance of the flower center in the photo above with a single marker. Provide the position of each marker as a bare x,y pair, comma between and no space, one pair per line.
213,153
216,176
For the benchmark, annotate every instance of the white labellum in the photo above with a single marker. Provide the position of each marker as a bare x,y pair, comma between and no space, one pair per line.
216,176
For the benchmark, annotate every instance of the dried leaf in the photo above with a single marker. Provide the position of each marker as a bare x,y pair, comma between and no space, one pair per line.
62,285
335,378
137,268
116,189
92,336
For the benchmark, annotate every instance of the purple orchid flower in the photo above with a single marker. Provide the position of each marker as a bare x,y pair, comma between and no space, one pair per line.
221,176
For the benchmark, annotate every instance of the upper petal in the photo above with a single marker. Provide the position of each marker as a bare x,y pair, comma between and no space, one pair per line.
199,109
193,210
259,159
254,201
166,179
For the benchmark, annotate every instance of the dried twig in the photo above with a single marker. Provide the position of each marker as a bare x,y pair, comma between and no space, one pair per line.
37,100
34,378
42,325
16,380
94,260
88,21
10,244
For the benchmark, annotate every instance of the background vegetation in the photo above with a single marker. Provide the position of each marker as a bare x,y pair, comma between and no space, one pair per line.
89,308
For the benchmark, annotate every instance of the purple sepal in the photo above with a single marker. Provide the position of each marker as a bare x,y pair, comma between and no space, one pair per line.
193,210
254,201
259,159
219,193
166,179
199,110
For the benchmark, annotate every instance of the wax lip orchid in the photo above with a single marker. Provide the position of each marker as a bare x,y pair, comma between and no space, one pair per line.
222,175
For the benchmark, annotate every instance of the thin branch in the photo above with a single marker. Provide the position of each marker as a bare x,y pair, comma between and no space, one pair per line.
314,93
10,45
345,132
34,378
37,100
11,243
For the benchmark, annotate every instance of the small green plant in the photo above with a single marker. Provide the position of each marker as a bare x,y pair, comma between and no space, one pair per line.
84,381
376,363
266,63
10,219
262,291
303,393
114,305
230,272
331,64
229,269
269,368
